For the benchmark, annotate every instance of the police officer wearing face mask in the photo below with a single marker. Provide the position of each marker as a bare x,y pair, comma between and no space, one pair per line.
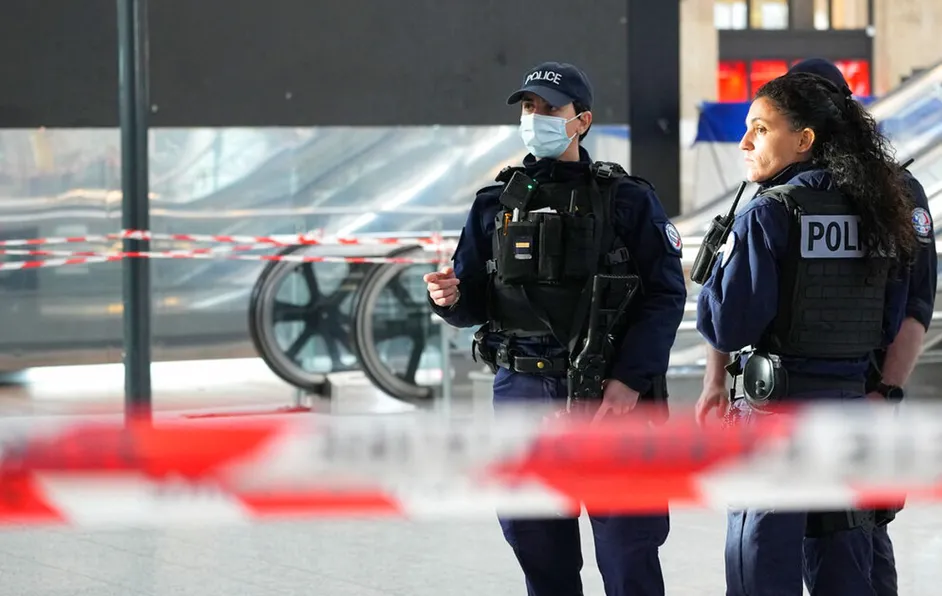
533,250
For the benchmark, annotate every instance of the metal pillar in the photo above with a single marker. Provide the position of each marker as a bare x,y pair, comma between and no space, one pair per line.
654,96
133,104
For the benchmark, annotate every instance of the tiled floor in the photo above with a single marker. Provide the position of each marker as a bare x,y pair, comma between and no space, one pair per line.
338,558
367,558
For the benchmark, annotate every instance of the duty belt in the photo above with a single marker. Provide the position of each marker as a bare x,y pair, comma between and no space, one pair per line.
799,384
764,380
531,364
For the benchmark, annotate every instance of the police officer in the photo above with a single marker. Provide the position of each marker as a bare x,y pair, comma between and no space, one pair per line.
806,290
523,269
891,367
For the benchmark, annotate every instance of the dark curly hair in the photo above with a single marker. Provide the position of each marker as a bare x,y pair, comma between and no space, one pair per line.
848,145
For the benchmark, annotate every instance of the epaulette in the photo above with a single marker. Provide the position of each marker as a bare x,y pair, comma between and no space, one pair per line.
605,170
507,173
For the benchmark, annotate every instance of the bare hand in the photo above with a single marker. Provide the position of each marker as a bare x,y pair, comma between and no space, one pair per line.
617,398
713,396
442,286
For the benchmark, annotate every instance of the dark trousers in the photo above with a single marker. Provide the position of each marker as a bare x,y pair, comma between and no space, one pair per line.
883,574
549,550
767,554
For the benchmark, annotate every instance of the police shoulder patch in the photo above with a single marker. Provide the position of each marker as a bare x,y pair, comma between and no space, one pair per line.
922,223
673,237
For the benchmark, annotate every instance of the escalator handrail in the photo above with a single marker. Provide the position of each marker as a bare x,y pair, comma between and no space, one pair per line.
909,83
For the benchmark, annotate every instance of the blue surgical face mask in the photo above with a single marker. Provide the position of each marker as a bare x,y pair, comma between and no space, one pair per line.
545,136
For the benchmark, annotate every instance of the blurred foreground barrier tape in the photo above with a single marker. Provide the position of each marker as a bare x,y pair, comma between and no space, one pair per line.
94,473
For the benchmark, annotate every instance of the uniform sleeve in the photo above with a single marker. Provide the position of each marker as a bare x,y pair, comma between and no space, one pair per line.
895,306
740,298
470,264
655,247
922,282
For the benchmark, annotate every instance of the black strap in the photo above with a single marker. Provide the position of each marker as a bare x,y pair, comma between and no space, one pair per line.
602,225
801,384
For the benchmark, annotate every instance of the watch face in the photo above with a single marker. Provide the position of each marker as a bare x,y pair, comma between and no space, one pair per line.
894,393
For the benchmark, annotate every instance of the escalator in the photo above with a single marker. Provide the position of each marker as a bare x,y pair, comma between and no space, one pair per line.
308,320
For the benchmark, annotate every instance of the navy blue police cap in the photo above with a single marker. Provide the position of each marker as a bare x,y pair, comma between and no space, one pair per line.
822,68
556,82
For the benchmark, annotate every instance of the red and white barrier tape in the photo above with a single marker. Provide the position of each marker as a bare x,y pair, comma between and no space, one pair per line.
98,473
163,253
280,240
84,258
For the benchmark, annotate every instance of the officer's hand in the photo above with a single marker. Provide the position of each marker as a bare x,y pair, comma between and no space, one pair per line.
617,398
713,396
442,286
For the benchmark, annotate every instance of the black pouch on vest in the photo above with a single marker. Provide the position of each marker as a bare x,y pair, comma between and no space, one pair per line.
519,253
551,249
579,246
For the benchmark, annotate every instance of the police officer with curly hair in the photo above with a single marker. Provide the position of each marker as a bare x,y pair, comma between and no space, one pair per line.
891,366
812,280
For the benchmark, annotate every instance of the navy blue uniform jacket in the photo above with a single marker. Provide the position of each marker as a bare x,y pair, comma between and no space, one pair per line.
922,281
639,220
740,298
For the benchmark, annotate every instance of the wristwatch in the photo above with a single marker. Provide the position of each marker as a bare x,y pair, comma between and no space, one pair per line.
890,392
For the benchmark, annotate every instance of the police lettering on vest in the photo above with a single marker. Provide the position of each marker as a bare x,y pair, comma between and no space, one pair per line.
832,292
830,237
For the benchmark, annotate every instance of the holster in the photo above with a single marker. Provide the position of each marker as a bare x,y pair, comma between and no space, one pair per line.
763,379
825,523
480,347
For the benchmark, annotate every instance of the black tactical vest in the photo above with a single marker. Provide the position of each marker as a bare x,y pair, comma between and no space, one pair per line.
546,253
831,293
